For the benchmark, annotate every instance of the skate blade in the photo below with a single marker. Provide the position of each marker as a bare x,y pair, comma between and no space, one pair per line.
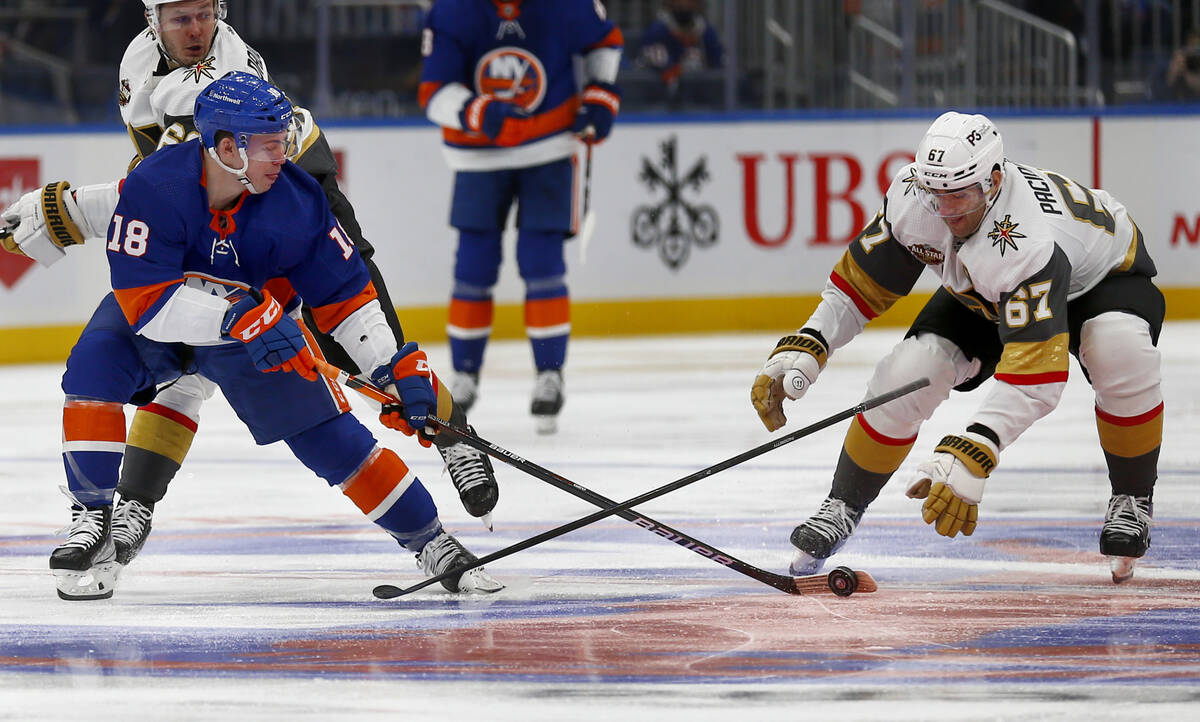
546,424
98,582
487,520
804,564
1122,568
478,581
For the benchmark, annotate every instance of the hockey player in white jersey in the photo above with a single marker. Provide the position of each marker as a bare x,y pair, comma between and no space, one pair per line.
186,46
1033,267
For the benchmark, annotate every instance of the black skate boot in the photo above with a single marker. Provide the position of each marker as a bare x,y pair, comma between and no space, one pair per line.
130,527
1125,536
85,565
443,553
465,389
547,400
473,476
822,535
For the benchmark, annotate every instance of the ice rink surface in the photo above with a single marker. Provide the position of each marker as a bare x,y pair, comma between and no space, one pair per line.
252,599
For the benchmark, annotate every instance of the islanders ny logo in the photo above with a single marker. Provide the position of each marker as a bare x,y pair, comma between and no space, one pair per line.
512,74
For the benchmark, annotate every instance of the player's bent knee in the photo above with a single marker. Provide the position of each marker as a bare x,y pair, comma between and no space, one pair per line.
104,365
925,355
1122,363
186,395
334,449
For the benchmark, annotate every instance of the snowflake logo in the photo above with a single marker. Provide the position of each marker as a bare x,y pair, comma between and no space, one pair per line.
1004,234
674,225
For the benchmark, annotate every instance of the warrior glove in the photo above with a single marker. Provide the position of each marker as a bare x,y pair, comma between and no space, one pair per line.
486,115
42,223
408,377
951,483
791,368
601,103
273,339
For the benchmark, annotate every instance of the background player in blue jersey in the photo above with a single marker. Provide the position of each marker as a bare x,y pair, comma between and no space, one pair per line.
212,242
499,78
679,41
164,68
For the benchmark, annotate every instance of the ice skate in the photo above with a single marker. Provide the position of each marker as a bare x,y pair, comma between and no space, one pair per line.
822,535
472,474
547,400
1125,536
85,565
130,527
443,553
464,389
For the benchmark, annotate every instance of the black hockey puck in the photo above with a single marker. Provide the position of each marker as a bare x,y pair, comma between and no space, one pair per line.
842,581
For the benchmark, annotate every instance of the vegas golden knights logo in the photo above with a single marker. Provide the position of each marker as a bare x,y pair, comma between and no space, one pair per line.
203,69
1005,234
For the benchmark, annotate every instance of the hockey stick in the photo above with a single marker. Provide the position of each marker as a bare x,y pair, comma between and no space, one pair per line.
792,585
789,584
588,226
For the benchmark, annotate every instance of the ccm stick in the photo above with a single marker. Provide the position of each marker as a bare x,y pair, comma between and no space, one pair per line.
841,580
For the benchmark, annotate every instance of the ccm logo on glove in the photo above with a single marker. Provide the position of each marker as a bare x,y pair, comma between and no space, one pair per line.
258,320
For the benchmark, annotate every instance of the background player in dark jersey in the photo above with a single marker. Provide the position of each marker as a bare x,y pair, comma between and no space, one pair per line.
679,41
164,68
499,78
213,241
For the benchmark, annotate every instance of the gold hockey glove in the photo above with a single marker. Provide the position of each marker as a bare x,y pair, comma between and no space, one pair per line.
790,369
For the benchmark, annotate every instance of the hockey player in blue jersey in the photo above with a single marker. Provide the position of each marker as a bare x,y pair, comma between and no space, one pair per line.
679,41
212,245
499,78
186,45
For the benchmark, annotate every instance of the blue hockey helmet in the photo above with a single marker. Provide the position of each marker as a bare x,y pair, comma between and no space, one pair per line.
242,104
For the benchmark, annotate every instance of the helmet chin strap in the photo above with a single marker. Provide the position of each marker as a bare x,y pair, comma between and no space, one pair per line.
239,173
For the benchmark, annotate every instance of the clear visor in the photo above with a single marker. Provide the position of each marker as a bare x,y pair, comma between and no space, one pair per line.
952,204
272,147
177,20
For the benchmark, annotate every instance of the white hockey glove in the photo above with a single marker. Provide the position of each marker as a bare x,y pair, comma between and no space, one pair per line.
791,368
44,222
951,483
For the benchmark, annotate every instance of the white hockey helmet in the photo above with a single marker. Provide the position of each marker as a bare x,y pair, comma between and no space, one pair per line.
152,12
958,153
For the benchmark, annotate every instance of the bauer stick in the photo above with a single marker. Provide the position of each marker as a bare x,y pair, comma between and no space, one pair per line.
789,584
588,226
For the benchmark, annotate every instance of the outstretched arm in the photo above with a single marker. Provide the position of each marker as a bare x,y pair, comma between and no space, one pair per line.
43,223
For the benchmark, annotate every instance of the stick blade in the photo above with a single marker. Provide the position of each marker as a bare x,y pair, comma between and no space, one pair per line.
835,582
387,591
866,582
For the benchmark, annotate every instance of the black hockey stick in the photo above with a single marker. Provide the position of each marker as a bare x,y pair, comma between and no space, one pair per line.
789,584
792,585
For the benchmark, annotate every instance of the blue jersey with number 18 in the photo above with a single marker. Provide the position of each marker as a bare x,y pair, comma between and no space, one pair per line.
169,253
